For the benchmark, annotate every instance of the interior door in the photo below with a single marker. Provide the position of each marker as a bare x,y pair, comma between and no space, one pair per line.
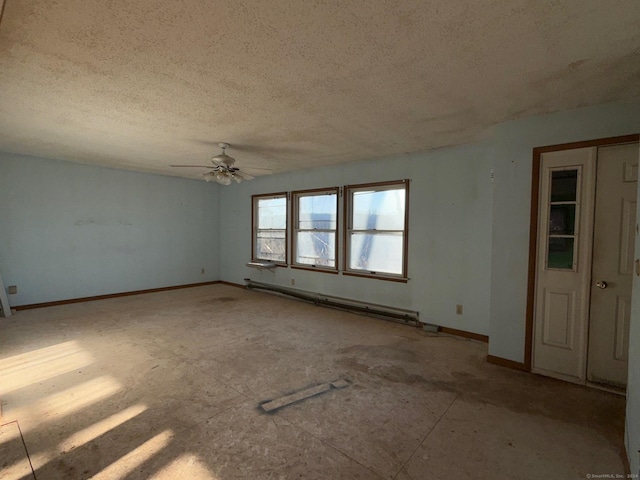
563,267
613,250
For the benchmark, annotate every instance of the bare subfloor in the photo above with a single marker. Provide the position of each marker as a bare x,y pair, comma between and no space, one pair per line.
169,385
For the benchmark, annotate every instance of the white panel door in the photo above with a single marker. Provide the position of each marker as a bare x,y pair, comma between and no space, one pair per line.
613,248
564,263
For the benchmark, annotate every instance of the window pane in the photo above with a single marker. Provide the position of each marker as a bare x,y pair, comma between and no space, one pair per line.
562,219
318,211
377,252
378,210
316,248
560,254
563,185
270,245
272,213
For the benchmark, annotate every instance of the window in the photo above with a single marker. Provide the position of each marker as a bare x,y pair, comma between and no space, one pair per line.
561,231
315,225
374,230
270,227
376,233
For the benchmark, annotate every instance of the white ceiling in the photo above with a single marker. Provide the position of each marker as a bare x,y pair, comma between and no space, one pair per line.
297,84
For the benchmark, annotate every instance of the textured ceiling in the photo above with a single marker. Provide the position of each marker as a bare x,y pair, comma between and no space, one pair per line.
296,84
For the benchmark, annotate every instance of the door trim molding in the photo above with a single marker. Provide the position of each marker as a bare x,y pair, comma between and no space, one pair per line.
533,229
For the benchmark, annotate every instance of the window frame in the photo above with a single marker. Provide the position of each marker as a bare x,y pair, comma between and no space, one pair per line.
254,227
348,230
295,196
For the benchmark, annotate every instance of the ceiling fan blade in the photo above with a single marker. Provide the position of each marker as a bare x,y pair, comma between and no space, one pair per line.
258,171
243,175
192,166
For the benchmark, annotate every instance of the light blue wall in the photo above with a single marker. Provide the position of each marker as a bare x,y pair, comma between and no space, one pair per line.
513,143
449,238
69,230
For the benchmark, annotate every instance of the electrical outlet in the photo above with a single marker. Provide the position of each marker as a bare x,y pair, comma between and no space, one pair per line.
459,309
293,281
12,290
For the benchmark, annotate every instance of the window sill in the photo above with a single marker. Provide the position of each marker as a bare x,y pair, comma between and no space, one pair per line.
315,269
269,262
376,276
261,265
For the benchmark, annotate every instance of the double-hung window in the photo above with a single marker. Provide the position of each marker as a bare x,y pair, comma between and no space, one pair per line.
270,228
315,226
376,234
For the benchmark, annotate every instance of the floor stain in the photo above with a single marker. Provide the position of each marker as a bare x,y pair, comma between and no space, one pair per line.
396,353
220,300
398,375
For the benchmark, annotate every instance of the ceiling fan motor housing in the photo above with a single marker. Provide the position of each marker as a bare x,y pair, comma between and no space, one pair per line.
224,159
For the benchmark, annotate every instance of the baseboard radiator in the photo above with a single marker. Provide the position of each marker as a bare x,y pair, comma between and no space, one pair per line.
401,315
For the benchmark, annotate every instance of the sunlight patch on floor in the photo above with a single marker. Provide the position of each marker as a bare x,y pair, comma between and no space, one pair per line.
25,369
8,433
100,428
136,457
22,469
185,466
67,401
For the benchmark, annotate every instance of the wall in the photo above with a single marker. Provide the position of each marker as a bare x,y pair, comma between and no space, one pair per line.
632,420
513,143
69,230
449,238
74,230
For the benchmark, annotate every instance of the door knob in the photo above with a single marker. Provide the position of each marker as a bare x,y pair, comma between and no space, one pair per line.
601,284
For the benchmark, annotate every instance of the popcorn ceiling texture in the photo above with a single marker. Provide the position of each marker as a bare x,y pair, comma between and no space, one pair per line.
291,84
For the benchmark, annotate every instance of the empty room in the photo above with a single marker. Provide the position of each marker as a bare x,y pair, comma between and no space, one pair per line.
319,239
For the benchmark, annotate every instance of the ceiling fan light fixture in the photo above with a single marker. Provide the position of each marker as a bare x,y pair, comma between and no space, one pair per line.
223,178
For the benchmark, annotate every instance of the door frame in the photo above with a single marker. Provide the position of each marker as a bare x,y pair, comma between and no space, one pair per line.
533,230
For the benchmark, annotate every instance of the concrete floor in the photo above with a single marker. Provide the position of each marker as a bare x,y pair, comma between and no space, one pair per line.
168,386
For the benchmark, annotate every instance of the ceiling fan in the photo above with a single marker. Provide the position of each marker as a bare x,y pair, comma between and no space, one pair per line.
223,170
